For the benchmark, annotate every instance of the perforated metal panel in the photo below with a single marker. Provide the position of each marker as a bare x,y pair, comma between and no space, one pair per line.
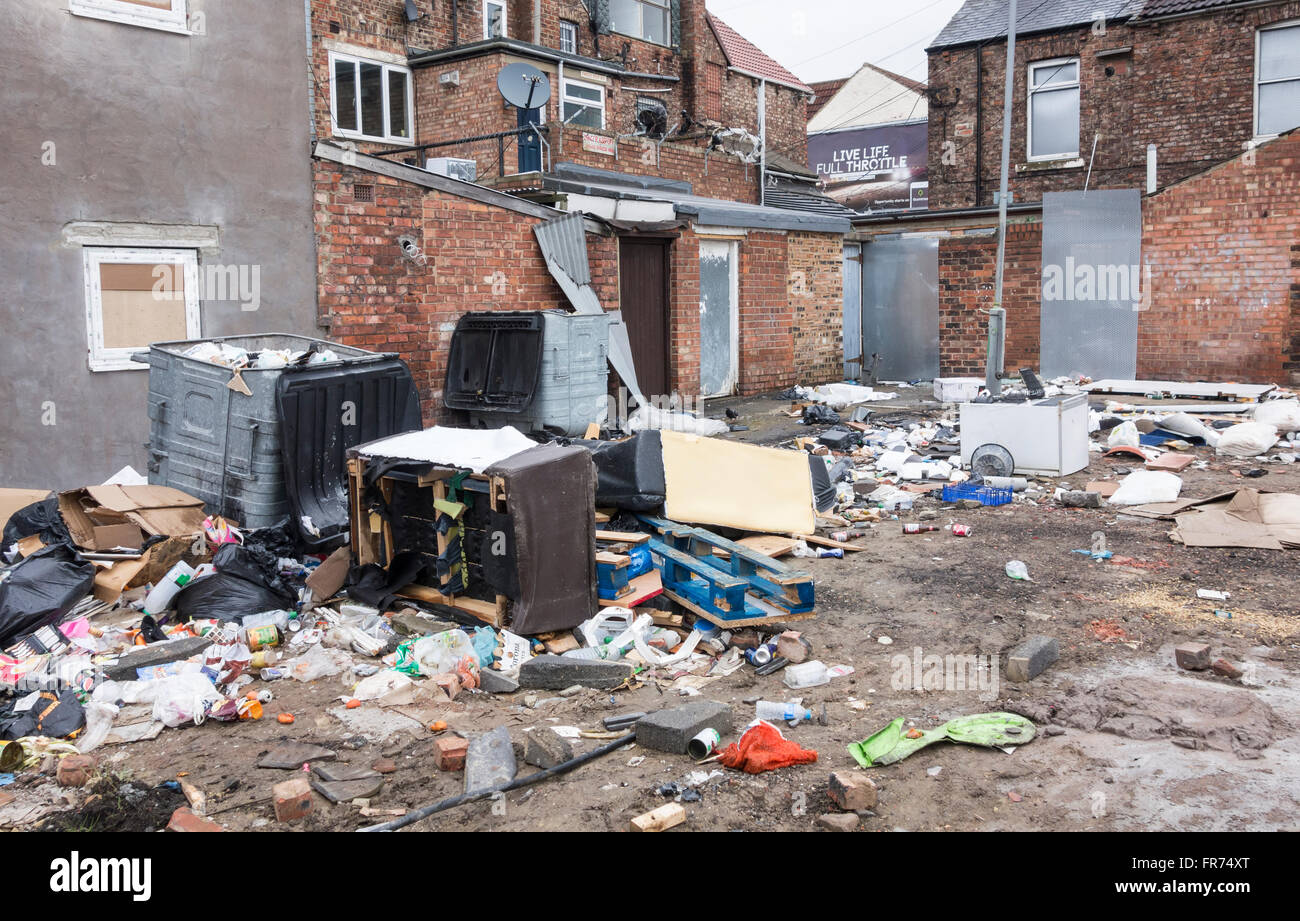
900,308
1092,283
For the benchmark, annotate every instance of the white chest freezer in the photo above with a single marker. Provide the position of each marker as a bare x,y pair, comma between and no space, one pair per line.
1046,437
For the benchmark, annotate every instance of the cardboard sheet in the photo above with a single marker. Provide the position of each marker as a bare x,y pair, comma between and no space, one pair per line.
711,481
13,500
1266,521
103,517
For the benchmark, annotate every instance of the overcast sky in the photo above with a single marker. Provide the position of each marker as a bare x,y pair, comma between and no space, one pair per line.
828,39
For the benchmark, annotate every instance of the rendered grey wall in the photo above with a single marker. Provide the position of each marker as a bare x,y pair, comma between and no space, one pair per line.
153,127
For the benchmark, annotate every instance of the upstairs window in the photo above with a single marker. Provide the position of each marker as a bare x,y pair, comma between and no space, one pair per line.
568,37
583,104
371,100
649,20
494,19
168,15
1054,109
1277,79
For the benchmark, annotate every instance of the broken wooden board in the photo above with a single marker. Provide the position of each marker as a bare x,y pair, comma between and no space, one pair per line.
661,819
640,590
827,542
774,545
623,537
486,611
714,482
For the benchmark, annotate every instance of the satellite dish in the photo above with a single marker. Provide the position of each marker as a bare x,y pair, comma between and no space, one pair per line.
524,86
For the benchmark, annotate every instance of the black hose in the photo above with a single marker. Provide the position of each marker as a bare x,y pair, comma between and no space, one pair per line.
426,811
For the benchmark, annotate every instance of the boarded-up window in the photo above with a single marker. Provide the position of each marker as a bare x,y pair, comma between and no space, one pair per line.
135,297
169,15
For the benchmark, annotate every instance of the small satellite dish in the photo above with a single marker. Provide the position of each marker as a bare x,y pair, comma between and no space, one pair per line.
413,13
524,86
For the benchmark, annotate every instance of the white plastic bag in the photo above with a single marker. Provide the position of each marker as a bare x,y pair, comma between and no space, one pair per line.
1183,424
380,684
1247,439
1284,415
1124,435
183,698
1145,486
450,652
319,662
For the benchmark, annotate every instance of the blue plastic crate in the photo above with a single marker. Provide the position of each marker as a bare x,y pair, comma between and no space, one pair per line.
985,495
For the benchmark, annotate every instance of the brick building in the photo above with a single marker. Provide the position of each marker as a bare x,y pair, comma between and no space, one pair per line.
683,144
1191,103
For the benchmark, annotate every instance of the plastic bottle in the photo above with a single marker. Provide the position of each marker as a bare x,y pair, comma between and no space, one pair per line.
782,712
161,595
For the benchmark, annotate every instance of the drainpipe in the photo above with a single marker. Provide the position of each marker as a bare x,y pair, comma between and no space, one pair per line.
762,142
537,22
979,121
997,316
455,23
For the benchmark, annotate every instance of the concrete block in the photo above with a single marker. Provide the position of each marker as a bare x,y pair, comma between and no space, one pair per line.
155,654
495,682
1031,658
546,749
1195,657
490,761
555,673
672,730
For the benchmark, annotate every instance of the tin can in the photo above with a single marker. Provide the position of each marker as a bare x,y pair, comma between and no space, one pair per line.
704,744
271,674
961,530
264,659
760,655
263,636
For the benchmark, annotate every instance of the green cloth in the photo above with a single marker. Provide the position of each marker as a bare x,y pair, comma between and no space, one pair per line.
990,730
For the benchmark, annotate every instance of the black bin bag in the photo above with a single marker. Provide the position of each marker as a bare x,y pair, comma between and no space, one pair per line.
42,589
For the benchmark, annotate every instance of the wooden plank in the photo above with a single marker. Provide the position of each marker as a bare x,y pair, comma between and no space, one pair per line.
726,623
593,431
773,545
661,819
617,560
826,542
640,590
485,611
623,537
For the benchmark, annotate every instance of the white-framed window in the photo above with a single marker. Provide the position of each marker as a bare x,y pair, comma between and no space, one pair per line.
1277,79
649,20
583,104
168,15
494,19
1053,110
370,100
136,296
568,37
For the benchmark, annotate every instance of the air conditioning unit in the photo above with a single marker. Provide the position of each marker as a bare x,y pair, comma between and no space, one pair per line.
455,168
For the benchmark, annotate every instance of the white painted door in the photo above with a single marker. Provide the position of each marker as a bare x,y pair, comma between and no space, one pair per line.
719,318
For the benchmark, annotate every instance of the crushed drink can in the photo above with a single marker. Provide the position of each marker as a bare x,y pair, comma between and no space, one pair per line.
760,655
961,530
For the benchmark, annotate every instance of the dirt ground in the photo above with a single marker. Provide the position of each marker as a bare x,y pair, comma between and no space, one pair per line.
1126,741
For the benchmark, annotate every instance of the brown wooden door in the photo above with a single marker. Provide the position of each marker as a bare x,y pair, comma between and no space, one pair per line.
643,291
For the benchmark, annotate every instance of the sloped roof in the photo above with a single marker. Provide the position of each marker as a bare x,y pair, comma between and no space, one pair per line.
981,20
744,55
824,89
916,86
1172,7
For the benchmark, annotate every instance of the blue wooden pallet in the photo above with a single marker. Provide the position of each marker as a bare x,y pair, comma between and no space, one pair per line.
748,588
